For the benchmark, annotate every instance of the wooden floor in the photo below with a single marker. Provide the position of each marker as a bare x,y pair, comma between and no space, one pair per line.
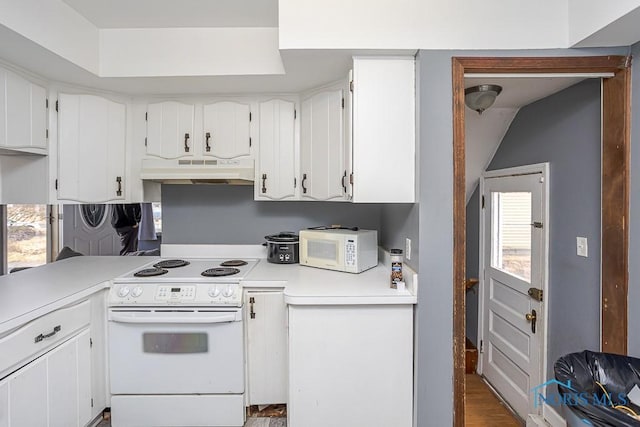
483,408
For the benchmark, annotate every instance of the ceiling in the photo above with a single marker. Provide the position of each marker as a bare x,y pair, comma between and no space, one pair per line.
518,91
303,70
178,13
484,132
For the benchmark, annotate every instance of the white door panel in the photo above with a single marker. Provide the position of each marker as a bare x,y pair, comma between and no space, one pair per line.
513,263
275,173
168,123
228,126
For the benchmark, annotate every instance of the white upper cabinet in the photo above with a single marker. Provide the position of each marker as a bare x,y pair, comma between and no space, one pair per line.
276,165
323,168
226,127
170,130
384,130
23,114
91,149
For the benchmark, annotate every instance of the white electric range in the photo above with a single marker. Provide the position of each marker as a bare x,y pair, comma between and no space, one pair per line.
176,350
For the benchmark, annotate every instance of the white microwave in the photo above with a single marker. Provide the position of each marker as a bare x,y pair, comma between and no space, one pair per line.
339,249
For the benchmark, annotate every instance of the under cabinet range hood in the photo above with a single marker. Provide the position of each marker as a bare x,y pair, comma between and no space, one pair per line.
198,171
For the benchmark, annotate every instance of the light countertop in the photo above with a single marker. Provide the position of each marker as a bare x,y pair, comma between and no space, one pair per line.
31,293
314,286
27,294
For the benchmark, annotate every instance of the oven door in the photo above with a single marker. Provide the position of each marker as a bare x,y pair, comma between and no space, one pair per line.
179,351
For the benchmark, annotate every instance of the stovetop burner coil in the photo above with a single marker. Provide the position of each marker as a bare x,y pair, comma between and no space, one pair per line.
220,271
150,272
234,263
171,263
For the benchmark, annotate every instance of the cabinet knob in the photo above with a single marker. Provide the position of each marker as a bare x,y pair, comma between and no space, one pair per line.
119,182
186,142
304,178
207,137
344,184
264,186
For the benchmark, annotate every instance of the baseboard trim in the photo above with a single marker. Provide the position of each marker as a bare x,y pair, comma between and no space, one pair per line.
552,416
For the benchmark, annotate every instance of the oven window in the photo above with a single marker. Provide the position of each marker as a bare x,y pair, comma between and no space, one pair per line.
323,249
174,343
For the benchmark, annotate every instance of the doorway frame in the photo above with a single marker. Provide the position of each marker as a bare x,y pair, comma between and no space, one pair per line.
541,169
616,136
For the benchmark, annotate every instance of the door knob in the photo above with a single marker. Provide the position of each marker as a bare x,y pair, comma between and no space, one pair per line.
532,317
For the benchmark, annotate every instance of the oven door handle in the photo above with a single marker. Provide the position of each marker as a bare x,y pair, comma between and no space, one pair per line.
174,317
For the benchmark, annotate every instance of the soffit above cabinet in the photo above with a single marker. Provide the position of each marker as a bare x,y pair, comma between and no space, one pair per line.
178,13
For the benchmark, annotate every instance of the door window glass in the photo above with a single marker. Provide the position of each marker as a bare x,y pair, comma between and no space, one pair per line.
26,235
511,233
157,216
93,215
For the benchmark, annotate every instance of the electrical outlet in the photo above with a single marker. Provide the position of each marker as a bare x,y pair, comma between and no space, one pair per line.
407,248
581,247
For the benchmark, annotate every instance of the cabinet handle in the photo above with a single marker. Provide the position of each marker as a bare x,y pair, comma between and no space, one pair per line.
264,179
252,313
207,137
186,142
344,185
304,178
49,335
119,190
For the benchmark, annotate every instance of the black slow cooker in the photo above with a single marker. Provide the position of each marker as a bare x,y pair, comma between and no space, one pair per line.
282,248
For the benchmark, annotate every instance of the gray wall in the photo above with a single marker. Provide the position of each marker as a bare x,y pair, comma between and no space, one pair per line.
564,130
397,223
220,214
434,311
634,225
473,256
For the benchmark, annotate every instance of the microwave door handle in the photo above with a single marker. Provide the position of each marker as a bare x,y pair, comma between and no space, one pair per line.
149,317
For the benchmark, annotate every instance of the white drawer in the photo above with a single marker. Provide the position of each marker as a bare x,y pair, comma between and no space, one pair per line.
40,334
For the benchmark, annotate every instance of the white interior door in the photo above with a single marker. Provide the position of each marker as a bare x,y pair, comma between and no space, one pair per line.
513,256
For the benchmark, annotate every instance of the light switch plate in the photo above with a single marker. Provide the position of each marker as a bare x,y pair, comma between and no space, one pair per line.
581,247
407,248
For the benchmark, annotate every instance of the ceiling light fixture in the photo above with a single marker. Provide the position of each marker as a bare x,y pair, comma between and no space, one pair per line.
481,97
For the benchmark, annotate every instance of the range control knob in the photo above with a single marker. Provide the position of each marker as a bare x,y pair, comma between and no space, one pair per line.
136,292
123,291
228,291
214,291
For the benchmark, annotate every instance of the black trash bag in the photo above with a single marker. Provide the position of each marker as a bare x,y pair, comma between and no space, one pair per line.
617,374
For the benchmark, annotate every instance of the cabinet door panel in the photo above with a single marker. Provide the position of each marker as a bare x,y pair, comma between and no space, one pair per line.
229,128
38,116
91,148
384,130
3,107
167,125
28,395
18,111
276,163
84,378
267,346
322,146
4,404
62,383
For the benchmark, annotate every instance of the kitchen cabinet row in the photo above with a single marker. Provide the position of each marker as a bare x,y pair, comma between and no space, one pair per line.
351,140
339,365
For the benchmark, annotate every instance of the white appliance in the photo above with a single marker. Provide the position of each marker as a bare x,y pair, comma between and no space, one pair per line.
176,350
352,251
198,171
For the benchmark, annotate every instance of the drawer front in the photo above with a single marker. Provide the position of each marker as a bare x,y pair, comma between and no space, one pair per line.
40,334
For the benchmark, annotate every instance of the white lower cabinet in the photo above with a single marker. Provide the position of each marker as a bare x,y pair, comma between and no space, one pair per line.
350,366
28,395
54,390
266,347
